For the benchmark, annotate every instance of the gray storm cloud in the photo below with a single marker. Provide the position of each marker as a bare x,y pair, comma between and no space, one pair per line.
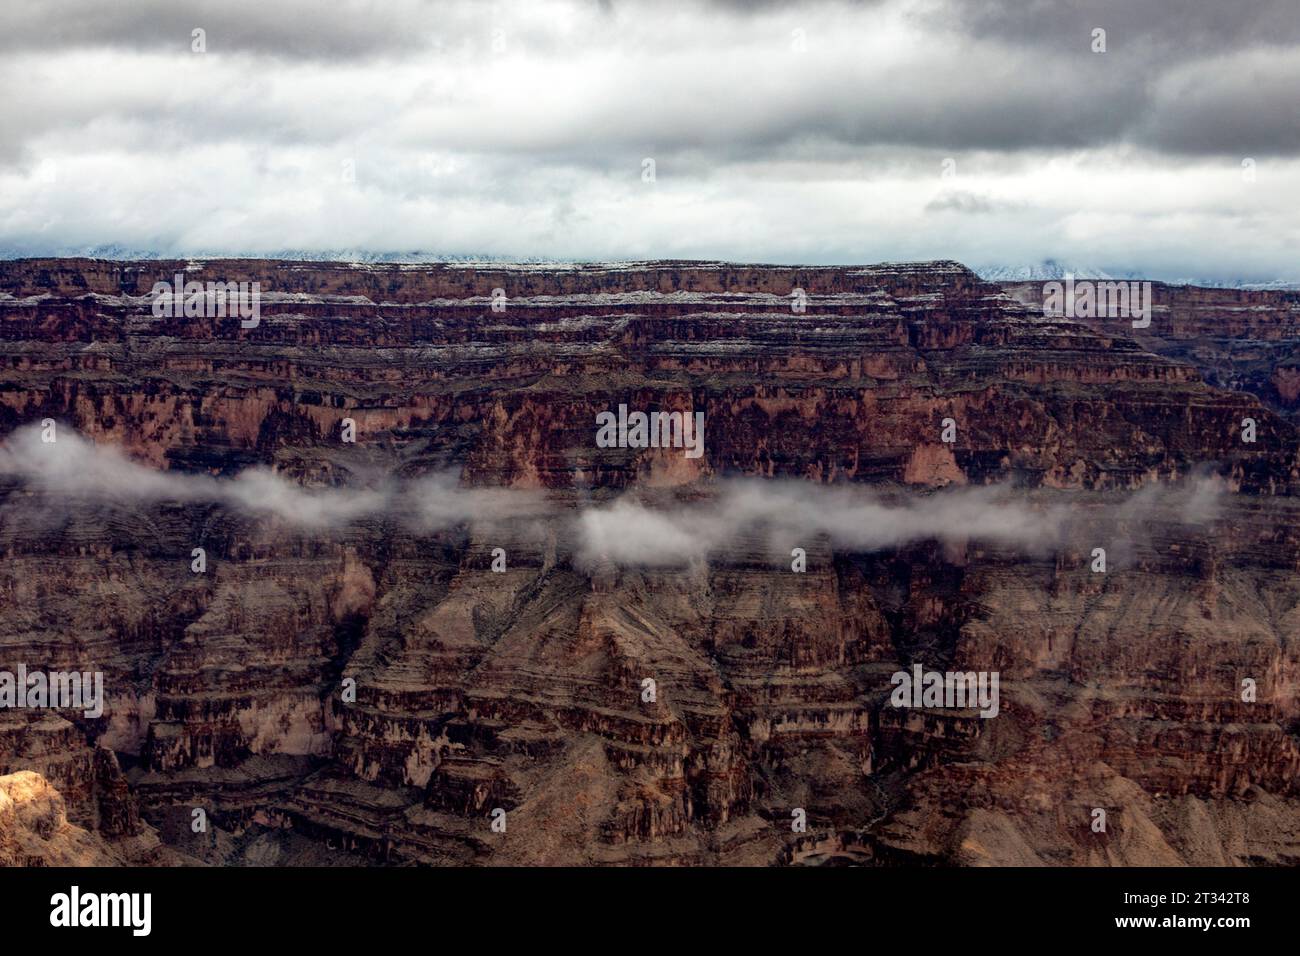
817,128
406,69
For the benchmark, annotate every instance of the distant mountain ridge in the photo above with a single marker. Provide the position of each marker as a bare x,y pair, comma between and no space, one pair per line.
1050,269
1044,271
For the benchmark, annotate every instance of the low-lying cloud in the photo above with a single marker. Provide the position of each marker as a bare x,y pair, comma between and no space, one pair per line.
71,465
793,514
751,514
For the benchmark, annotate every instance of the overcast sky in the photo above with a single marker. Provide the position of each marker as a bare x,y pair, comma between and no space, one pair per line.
987,131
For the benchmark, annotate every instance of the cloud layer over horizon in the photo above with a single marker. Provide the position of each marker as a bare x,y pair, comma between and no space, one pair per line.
814,132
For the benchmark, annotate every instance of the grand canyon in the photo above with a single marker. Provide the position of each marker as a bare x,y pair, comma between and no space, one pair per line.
361,684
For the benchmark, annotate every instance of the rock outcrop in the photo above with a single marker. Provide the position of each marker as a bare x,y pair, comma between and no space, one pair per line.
35,831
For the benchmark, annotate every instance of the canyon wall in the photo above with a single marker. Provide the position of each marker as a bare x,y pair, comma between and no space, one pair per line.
374,692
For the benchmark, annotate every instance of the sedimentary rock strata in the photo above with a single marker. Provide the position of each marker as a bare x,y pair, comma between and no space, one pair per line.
376,689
